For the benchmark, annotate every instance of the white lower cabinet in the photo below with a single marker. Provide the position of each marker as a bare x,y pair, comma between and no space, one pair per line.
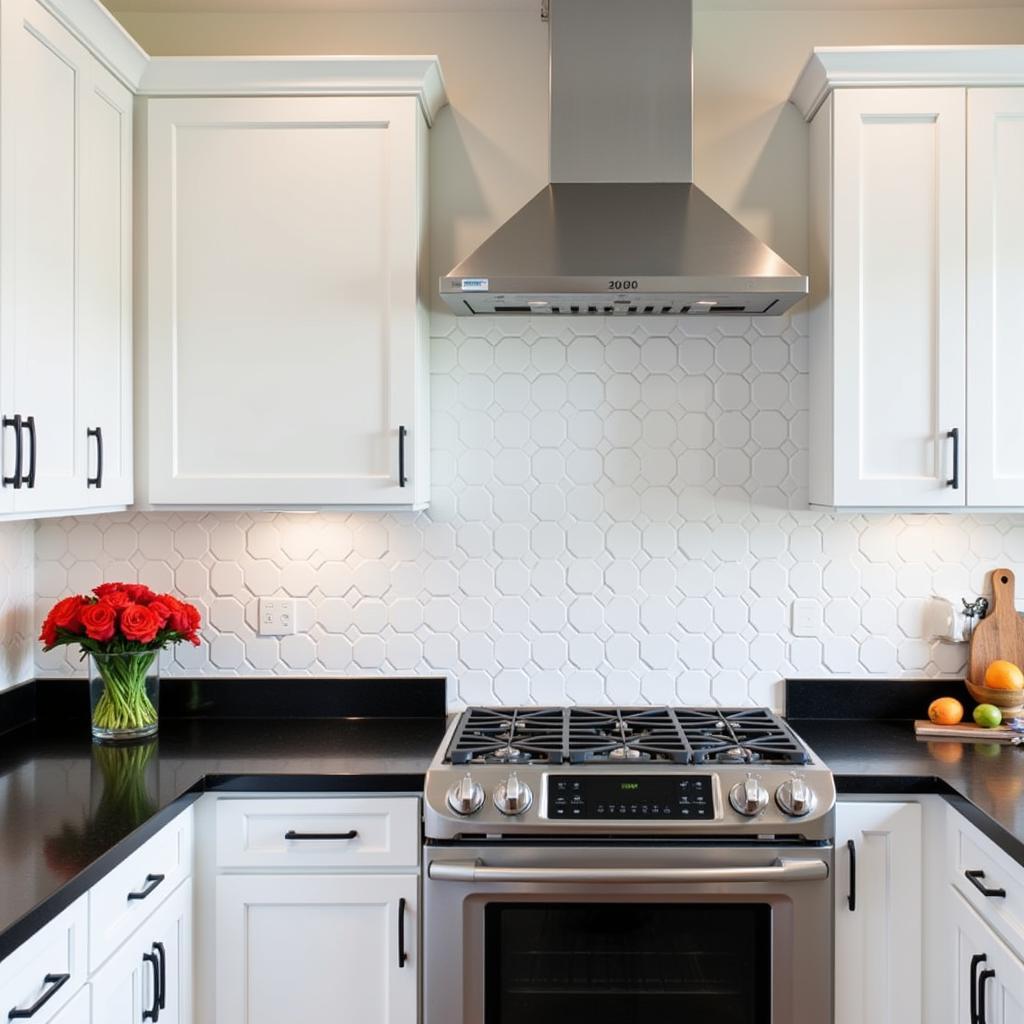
289,946
878,913
150,977
78,1011
988,979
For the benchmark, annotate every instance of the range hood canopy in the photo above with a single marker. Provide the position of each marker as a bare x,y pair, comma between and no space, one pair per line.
622,228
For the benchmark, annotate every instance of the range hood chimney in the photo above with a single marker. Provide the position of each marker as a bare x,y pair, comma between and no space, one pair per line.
622,229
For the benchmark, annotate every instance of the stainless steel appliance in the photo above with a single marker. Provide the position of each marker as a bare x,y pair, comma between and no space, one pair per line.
606,864
622,229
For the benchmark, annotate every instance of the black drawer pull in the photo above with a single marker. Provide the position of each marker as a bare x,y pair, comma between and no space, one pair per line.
954,435
56,983
975,878
15,479
402,479
158,948
851,898
97,480
30,478
976,960
153,1013
402,955
982,980
152,881
292,834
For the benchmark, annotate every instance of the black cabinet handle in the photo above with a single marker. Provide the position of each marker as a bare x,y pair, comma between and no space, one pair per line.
982,982
158,948
56,983
975,878
15,480
30,478
976,960
402,480
152,881
955,482
97,480
153,1013
851,898
402,955
292,834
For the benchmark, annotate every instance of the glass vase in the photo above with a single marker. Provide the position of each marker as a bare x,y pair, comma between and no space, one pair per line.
124,693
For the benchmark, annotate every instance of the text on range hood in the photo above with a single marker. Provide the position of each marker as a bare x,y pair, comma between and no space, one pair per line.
622,229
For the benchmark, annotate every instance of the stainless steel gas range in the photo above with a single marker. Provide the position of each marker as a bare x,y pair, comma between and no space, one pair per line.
620,865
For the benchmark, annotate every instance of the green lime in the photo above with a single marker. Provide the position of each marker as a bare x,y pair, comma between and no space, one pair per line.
987,715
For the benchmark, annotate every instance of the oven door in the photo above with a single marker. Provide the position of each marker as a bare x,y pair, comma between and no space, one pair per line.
616,934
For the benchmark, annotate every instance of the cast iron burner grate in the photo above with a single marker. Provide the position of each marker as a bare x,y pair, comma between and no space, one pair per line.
623,736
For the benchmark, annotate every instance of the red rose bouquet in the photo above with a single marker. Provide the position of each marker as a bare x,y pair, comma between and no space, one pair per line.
122,626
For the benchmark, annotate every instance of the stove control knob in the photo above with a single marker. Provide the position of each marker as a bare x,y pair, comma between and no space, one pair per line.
512,796
749,797
795,797
466,797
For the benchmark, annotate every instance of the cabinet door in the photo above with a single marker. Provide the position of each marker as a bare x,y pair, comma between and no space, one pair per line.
995,282
878,941
152,970
898,273
290,946
284,334
78,1011
42,66
976,952
104,380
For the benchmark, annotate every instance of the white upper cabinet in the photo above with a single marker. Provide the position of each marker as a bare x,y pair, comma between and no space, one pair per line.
286,290
995,283
917,218
65,270
887,278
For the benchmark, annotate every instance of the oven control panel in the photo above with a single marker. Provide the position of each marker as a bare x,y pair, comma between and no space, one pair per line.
643,797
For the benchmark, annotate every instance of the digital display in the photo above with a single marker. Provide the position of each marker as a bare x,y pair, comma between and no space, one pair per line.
652,797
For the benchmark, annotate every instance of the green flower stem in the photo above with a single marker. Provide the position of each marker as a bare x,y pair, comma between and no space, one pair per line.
124,703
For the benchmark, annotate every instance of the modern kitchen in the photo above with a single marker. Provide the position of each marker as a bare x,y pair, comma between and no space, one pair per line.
511,511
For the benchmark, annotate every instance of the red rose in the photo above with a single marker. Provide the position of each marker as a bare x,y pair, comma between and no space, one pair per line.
160,609
67,614
116,599
107,588
48,634
139,623
99,620
138,592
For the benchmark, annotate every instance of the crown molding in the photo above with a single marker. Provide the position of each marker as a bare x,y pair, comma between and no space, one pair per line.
418,76
100,32
878,67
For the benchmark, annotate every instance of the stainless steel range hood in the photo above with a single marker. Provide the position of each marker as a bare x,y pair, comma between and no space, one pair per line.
622,228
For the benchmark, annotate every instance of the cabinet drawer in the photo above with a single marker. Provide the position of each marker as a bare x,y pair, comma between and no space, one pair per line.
356,832
53,960
970,851
122,900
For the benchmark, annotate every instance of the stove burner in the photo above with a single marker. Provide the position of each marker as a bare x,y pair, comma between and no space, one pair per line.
596,735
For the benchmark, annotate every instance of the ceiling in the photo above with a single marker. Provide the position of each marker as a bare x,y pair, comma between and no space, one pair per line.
382,6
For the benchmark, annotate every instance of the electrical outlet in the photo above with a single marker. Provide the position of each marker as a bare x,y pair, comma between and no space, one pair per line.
277,616
806,617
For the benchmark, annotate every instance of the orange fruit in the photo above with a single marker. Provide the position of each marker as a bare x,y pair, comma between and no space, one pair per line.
946,711
1004,675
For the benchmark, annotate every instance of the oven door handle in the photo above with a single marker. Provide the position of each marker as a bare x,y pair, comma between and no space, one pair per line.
781,870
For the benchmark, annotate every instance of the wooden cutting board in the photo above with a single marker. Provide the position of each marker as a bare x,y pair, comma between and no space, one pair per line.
1000,635
966,733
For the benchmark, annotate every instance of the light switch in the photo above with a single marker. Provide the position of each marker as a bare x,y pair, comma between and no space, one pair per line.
806,617
277,616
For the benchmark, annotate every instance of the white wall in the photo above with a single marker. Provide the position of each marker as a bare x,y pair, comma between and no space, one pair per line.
17,612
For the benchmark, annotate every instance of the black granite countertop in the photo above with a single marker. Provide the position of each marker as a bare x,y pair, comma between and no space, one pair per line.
71,810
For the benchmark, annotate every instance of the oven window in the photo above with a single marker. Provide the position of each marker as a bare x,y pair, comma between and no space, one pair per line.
616,963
